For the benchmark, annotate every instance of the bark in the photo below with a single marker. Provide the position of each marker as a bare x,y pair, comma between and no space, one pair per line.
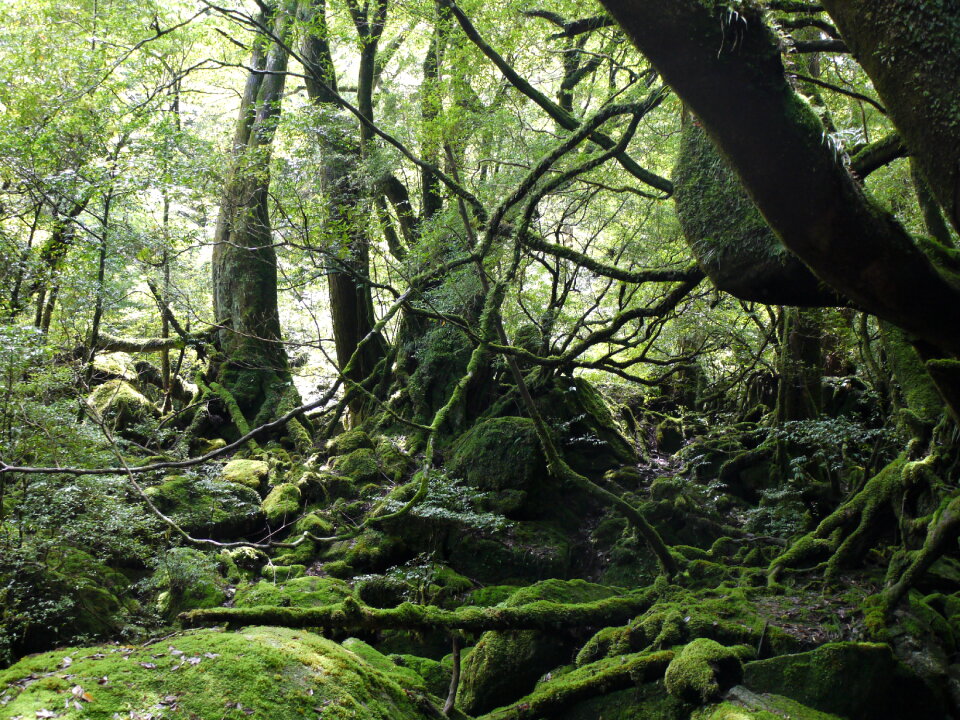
351,302
727,67
244,262
911,51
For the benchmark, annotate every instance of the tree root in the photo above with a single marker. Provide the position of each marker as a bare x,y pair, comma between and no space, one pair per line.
942,533
350,615
896,495
609,676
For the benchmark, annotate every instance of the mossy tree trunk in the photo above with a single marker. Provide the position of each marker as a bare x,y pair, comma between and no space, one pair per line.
775,143
911,51
253,361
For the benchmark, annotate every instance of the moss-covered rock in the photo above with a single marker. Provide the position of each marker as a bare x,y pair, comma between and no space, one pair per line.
505,665
649,701
216,509
859,681
702,671
590,436
436,676
282,504
260,672
308,591
502,456
121,404
249,473
325,487
360,466
346,442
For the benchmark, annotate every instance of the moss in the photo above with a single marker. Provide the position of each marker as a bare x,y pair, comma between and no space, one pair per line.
338,569
527,551
207,445
250,473
315,524
726,232
307,591
702,671
259,672
435,675
599,678
325,487
505,665
403,676
490,595
217,509
771,707
857,680
502,456
649,701
349,441
392,461
591,438
360,466
121,404
282,503
283,573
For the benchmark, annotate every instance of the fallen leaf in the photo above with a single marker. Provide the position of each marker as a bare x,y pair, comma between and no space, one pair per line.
66,662
194,660
211,655
149,666
44,713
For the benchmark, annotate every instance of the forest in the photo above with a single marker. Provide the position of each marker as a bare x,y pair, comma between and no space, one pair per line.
513,360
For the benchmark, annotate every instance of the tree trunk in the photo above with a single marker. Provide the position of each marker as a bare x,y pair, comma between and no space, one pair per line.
253,363
351,302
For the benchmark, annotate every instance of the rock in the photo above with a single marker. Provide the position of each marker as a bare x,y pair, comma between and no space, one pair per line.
504,666
346,442
360,466
121,404
859,681
307,591
259,672
249,473
282,503
502,456
208,507
702,671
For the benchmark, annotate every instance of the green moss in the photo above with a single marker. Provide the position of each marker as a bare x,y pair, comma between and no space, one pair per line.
392,461
847,679
555,696
505,665
211,507
702,671
283,573
259,672
502,456
349,441
360,466
282,503
772,707
403,676
649,701
121,404
250,473
307,591
435,675
325,487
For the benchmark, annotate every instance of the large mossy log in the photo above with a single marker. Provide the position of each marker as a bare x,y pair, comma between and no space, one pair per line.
350,615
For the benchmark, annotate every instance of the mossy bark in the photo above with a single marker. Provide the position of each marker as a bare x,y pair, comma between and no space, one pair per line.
252,356
911,51
726,65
